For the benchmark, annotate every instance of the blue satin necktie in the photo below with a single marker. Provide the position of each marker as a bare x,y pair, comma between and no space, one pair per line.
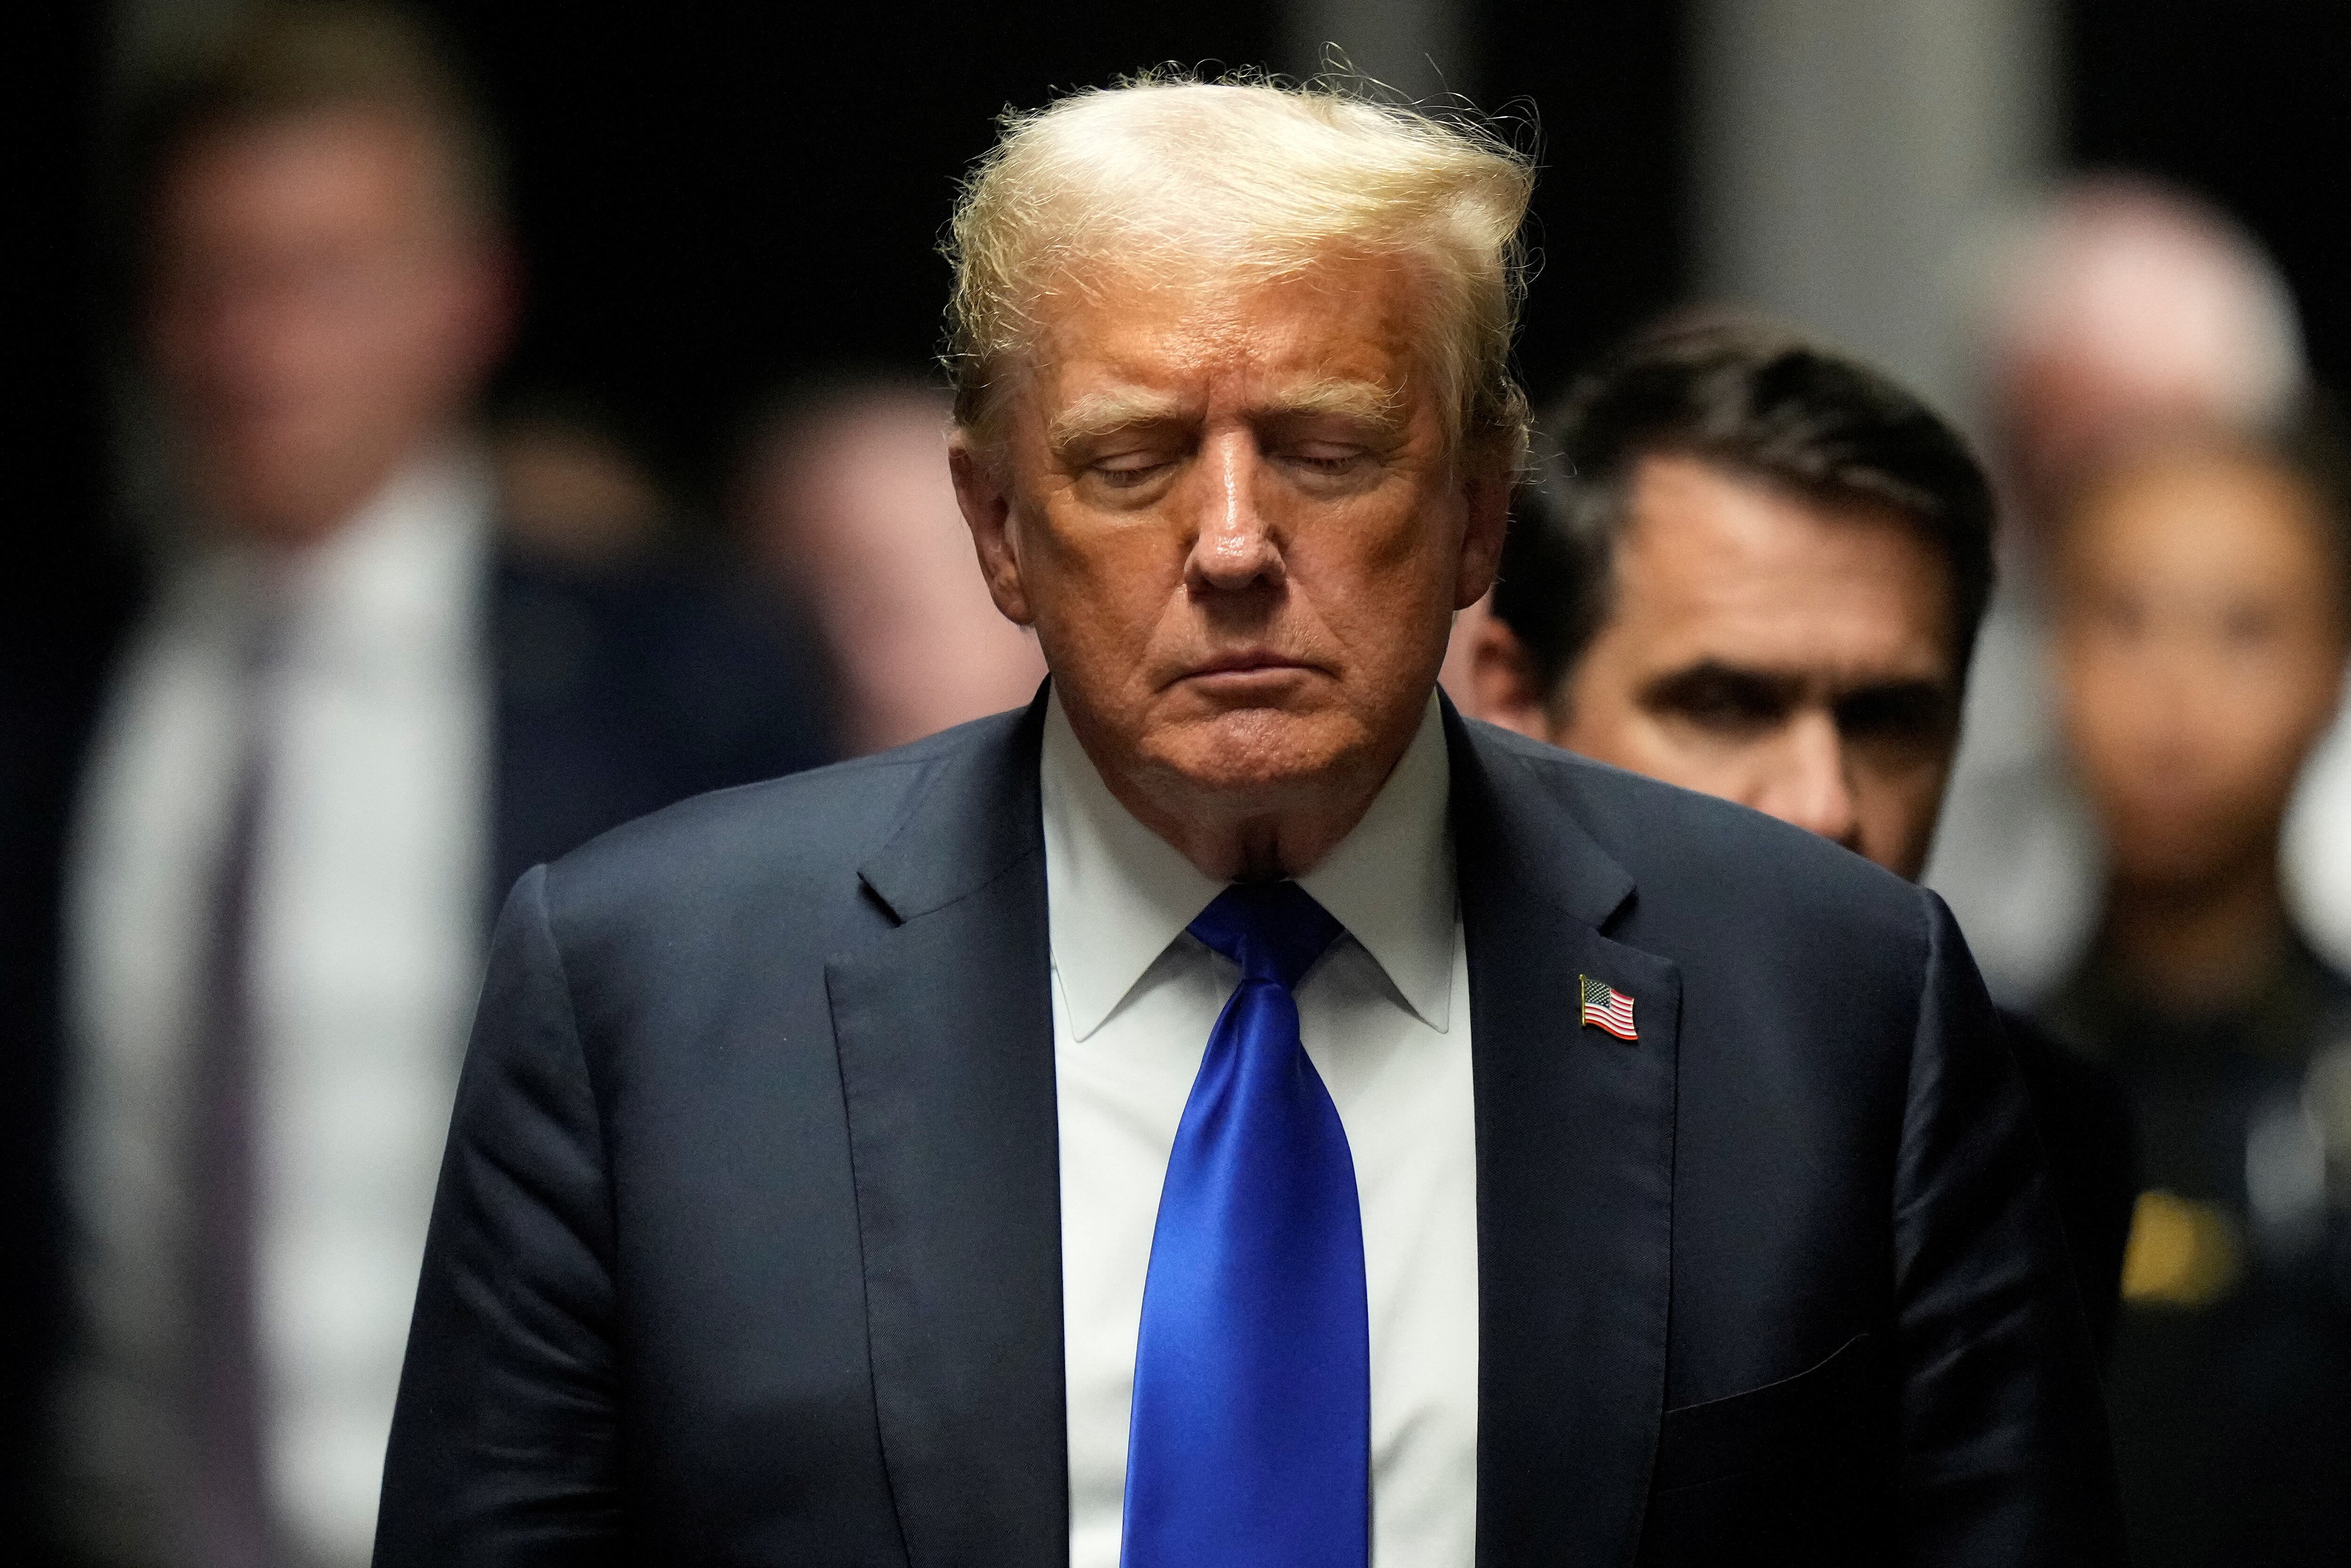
1250,1441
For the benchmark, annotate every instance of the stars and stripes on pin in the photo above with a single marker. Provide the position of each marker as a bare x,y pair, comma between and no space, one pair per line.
1606,1007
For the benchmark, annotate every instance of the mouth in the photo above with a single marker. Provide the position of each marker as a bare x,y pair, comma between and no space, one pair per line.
1245,666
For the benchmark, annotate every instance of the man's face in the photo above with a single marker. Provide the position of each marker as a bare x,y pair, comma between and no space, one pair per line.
1232,514
1792,657
320,309
2200,657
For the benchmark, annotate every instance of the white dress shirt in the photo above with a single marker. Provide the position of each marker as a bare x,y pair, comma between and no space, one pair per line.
366,953
1384,1017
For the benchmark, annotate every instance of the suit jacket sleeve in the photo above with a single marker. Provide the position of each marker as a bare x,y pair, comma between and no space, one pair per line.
2004,1455
504,1443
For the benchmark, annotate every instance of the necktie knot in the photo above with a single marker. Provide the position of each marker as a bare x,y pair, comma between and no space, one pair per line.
1273,930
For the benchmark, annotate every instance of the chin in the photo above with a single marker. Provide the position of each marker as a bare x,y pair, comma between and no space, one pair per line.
1260,751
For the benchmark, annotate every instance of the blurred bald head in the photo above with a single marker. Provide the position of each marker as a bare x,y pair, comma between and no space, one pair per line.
2120,306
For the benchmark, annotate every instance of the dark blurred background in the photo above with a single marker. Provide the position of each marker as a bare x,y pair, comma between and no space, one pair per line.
714,199
2245,103
711,198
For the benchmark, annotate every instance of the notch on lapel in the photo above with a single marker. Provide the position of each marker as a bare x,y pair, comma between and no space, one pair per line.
1575,1145
945,1031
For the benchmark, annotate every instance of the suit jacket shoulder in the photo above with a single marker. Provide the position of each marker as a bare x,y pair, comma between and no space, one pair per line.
795,843
1695,857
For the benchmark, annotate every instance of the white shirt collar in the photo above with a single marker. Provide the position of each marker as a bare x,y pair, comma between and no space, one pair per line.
401,573
1119,893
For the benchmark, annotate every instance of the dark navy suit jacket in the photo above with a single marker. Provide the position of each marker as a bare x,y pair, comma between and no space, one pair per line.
748,1243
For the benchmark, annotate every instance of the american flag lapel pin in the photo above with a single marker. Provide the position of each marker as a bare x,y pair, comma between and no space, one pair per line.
1606,1007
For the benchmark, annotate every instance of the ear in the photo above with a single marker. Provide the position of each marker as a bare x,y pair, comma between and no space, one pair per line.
1488,505
986,504
1506,688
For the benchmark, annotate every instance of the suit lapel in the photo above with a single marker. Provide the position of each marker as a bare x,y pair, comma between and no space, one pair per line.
945,1031
1575,1141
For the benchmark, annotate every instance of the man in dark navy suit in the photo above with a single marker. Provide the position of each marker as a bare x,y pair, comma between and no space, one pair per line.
1235,1111
259,806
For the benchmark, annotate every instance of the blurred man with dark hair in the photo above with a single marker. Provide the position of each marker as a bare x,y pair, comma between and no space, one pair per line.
341,722
1755,569
2201,623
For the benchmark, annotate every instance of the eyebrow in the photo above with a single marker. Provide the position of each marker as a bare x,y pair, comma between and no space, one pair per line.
1782,689
1351,400
1712,677
1104,413
1098,414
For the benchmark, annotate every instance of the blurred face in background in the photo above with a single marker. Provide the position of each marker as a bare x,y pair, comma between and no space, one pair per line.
323,305
1235,518
1763,646
851,512
2200,655
2128,308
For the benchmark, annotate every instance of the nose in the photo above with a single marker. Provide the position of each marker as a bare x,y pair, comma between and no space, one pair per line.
1809,783
1235,548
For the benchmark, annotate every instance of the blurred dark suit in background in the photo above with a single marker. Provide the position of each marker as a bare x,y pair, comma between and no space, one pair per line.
273,790
2201,603
1756,568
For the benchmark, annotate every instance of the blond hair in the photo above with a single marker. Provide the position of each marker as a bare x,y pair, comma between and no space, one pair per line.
1165,176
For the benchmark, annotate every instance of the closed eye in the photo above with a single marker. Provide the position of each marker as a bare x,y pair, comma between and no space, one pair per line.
1129,470
1326,459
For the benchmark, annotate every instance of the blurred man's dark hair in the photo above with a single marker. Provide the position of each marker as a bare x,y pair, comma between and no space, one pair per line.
295,58
1758,403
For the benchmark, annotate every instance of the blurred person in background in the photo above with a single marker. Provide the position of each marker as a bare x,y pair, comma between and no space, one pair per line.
2114,307
843,503
1755,569
2201,594
572,493
341,722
